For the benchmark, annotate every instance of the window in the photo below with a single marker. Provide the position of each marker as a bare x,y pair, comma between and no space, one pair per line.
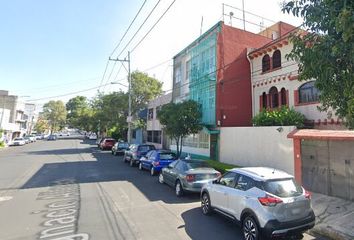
156,138
265,63
188,69
173,164
149,136
134,133
150,114
276,59
264,100
308,93
145,148
229,179
283,97
274,99
244,183
167,156
178,74
283,188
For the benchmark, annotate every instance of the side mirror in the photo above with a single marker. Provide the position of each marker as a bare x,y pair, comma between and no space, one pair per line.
169,167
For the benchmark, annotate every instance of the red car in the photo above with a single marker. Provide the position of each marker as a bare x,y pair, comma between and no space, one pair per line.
107,144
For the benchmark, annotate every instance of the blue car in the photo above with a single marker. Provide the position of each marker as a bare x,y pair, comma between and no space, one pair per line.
155,160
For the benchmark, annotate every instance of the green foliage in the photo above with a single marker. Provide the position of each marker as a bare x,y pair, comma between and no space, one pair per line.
2,144
326,52
55,113
180,120
279,117
41,125
221,167
76,107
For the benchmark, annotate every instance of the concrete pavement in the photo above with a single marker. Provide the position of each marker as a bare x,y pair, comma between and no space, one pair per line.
334,217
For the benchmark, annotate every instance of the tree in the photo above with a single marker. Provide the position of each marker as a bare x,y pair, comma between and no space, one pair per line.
144,89
41,125
76,107
326,51
55,113
180,120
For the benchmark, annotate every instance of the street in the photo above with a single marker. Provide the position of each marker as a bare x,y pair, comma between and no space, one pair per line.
68,189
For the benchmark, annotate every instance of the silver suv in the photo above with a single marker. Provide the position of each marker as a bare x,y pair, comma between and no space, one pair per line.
266,202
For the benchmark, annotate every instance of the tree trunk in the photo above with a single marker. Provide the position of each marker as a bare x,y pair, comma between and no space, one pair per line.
177,146
181,146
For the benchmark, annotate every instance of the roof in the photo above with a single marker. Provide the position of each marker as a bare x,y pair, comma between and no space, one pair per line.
322,134
262,173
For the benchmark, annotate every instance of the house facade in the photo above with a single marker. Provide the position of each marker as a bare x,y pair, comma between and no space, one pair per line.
155,133
274,80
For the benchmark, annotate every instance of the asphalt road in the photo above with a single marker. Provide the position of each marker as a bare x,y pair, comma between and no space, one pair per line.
68,189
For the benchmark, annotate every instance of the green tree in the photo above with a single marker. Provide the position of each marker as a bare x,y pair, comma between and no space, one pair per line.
76,107
144,89
326,51
41,126
180,120
55,113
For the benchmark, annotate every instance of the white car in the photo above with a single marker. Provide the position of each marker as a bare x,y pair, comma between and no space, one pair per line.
18,142
93,137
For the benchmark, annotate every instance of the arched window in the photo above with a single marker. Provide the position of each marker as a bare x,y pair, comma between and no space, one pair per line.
265,63
274,99
283,96
276,59
264,100
308,92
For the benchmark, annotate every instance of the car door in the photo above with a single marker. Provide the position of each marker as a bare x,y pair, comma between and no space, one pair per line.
168,173
239,195
221,189
146,160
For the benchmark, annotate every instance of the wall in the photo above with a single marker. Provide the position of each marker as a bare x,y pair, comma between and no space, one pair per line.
257,146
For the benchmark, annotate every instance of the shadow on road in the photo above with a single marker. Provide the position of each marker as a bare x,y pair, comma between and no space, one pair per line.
102,167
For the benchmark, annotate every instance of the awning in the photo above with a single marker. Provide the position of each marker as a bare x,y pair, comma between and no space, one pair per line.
210,131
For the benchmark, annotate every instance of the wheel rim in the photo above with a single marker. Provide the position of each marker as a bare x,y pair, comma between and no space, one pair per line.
249,230
205,204
140,167
178,189
161,178
152,171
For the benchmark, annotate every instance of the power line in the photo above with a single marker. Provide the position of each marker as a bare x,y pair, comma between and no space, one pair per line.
128,29
153,26
131,39
104,73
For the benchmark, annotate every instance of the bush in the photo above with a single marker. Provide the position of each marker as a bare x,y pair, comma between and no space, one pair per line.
221,167
279,117
2,144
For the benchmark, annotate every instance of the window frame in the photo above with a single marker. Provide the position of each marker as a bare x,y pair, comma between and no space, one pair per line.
276,59
265,63
315,93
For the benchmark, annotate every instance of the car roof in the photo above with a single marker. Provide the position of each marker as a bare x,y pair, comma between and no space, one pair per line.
262,173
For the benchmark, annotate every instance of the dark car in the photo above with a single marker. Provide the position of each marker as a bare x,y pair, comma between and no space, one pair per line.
119,148
107,143
135,152
52,137
155,160
187,175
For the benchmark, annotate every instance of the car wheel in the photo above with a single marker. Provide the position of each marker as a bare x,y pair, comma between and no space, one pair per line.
140,166
152,171
115,154
124,159
250,229
112,152
205,204
131,163
161,178
179,189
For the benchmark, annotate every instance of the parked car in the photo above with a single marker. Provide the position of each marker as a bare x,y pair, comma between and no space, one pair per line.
119,148
18,142
32,138
52,137
187,175
107,144
98,141
27,139
92,137
265,201
135,152
155,160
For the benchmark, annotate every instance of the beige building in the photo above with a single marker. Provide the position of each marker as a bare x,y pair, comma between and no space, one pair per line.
275,83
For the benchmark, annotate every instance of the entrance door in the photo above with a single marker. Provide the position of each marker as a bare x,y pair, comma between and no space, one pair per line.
214,147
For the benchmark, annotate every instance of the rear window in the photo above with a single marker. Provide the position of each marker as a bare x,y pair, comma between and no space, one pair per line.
146,148
192,165
283,187
109,141
123,145
18,139
167,156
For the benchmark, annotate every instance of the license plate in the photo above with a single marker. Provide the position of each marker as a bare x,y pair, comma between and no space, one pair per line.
295,211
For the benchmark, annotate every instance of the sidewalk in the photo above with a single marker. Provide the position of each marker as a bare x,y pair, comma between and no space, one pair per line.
334,217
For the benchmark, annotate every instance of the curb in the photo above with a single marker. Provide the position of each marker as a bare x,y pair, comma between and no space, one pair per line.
328,231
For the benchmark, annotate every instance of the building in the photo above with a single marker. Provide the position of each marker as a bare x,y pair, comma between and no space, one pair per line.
155,133
275,83
13,121
214,71
32,116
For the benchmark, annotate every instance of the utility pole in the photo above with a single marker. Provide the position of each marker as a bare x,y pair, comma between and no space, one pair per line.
129,118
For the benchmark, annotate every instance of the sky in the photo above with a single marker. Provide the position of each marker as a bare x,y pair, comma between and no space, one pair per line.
56,50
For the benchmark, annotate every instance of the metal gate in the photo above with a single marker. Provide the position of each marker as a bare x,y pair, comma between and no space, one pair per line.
328,167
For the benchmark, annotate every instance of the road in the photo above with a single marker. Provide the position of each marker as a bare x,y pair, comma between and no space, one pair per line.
68,189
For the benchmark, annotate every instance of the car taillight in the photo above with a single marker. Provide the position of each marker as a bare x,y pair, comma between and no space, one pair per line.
269,201
190,177
307,194
156,164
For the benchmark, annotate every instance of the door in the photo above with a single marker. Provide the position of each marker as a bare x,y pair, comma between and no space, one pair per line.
169,173
214,147
220,191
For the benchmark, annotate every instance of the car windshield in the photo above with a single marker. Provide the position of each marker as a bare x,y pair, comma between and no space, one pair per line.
146,148
109,141
283,187
123,145
168,156
18,139
197,164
